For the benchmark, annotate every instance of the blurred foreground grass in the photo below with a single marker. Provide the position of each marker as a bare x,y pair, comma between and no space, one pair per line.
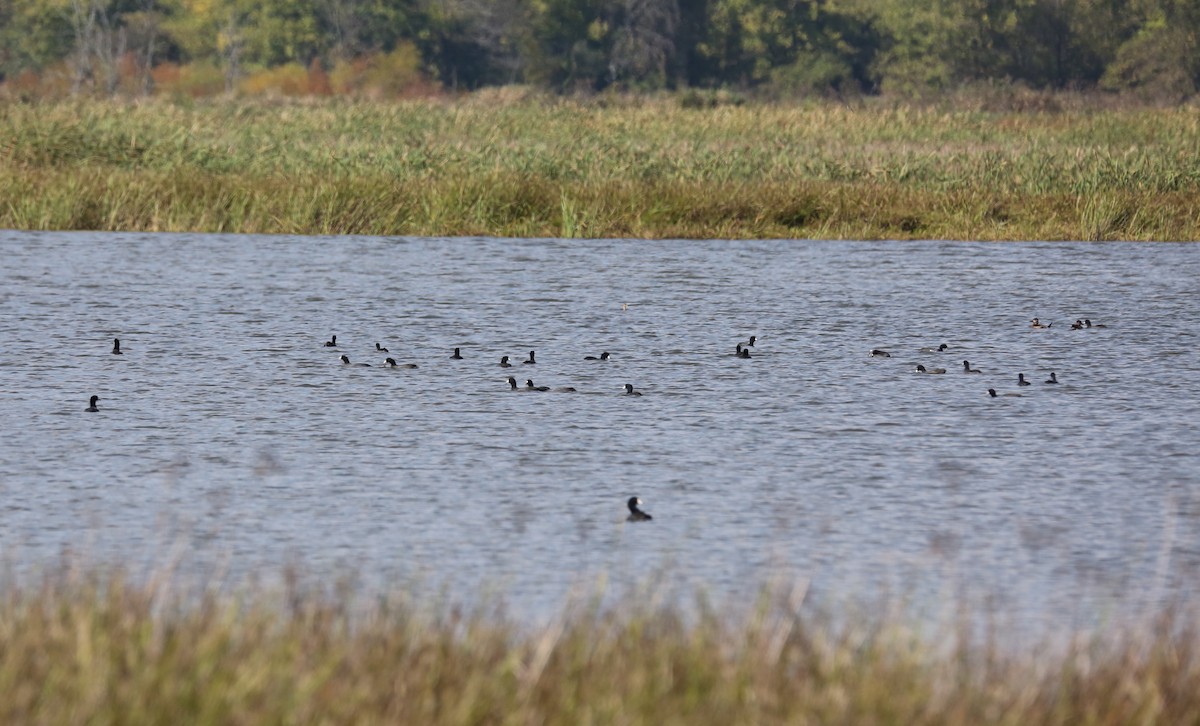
491,164
76,650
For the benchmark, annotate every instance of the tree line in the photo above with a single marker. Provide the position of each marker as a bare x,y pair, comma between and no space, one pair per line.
783,47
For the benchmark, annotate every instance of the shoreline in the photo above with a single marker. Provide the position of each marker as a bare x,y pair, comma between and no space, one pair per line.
569,169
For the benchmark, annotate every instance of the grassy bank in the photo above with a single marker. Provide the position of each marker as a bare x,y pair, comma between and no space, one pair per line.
77,652
487,165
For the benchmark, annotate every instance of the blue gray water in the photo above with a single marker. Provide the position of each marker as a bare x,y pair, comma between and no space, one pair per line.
228,433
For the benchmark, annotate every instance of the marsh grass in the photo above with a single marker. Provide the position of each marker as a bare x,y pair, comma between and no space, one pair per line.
651,168
103,649
1104,217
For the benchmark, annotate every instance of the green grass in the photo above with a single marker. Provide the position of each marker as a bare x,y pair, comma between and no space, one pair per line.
531,166
105,650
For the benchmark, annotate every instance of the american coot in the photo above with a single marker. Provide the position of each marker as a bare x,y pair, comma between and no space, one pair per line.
993,394
742,352
603,356
381,349
332,342
752,339
117,346
938,349
1021,380
512,382
92,405
877,353
1053,378
457,355
923,369
968,369
531,361
635,514
504,362
393,364
530,387
629,390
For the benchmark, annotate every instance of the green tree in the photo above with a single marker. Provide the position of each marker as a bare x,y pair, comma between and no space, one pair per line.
570,43
33,34
280,31
351,28
1161,61
643,48
794,43
469,43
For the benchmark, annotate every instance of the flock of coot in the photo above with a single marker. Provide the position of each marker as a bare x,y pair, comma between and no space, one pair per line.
512,380
635,514
1035,323
742,350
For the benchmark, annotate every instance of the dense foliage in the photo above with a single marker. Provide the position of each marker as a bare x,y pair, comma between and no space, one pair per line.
782,48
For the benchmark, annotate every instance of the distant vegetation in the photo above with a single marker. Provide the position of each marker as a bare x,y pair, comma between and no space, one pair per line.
515,162
103,650
781,49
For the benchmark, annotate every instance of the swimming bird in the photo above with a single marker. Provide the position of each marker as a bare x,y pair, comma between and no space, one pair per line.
742,352
603,356
346,361
1035,323
1088,324
1021,380
752,339
938,349
1077,325
332,342
968,369
504,362
565,389
1052,379
635,514
531,361
629,390
923,369
512,382
92,405
993,394
457,355
530,387
117,347
877,353
393,364
381,349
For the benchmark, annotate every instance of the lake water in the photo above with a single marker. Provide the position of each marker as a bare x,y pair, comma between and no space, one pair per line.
230,434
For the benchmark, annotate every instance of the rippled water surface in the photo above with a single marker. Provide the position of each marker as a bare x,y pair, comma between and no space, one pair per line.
229,431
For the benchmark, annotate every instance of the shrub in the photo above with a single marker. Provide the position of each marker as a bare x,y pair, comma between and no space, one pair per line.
1153,66
290,79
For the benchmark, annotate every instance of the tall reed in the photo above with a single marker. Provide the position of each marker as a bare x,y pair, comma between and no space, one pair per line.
552,167
106,649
